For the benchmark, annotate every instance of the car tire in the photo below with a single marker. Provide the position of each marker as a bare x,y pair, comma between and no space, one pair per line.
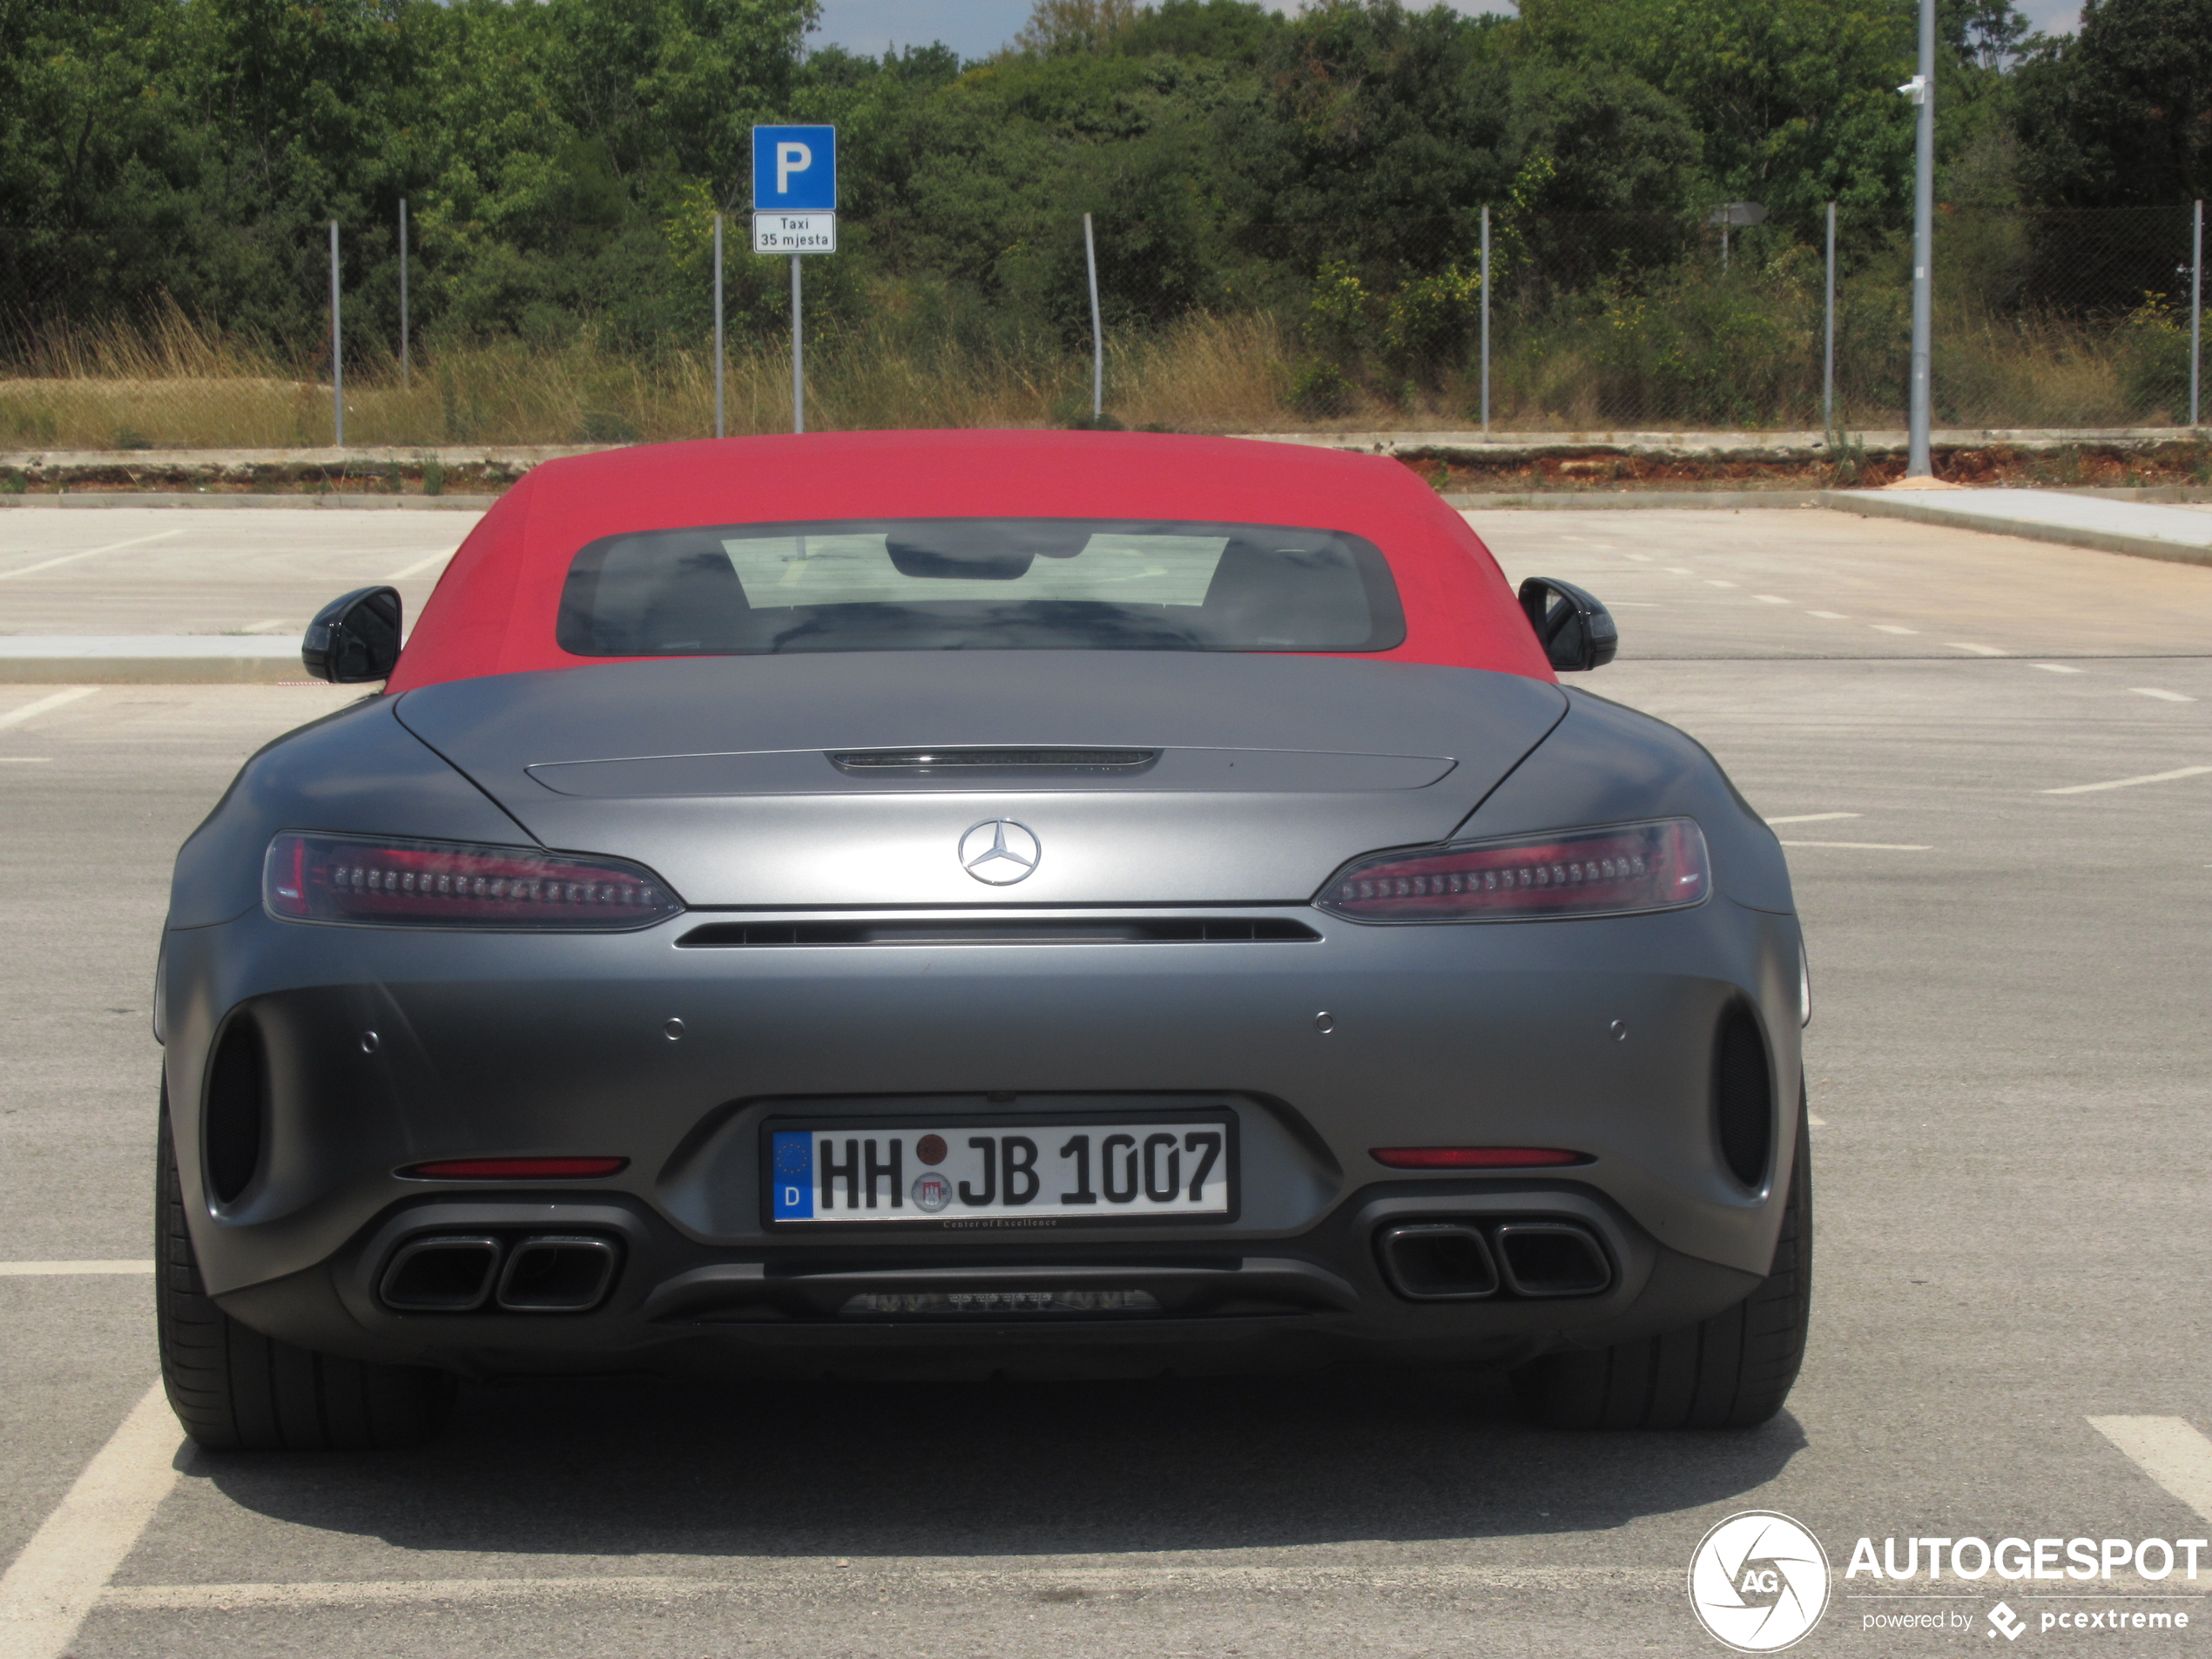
1732,1371
235,1390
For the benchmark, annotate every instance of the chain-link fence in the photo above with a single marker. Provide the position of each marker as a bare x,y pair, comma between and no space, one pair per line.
137,337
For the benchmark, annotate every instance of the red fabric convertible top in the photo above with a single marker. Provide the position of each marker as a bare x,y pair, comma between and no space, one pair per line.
495,608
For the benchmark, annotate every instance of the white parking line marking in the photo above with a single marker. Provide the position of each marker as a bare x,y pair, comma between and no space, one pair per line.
786,1578
2163,697
24,760
33,711
421,565
1892,628
1640,558
2129,783
1814,818
51,1587
1770,598
1679,569
1814,1120
1829,616
46,1270
2168,1450
86,553
1714,581
2054,668
1867,846
1978,651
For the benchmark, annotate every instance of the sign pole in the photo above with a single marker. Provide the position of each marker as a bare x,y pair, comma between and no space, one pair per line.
794,212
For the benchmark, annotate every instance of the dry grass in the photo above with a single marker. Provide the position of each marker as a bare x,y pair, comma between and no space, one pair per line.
175,384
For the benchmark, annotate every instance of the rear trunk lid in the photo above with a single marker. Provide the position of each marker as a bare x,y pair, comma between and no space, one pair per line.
851,779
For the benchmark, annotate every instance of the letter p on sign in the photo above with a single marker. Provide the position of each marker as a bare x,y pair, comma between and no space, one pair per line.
795,170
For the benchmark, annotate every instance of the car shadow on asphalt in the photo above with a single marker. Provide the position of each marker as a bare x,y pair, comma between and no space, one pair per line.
657,1468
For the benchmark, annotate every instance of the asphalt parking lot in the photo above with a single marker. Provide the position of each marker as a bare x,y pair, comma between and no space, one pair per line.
1992,761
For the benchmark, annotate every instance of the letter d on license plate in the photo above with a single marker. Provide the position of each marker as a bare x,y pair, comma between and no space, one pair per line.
1070,1171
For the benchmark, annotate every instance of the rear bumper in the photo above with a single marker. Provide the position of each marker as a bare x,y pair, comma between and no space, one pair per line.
1321,1298
1593,1036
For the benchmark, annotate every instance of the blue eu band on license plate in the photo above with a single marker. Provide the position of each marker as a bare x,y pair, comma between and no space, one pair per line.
1073,1173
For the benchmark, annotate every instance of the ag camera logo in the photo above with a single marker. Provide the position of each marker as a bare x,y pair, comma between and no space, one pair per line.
1758,1582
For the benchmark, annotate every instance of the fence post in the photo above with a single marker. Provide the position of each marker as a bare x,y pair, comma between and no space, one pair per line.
798,359
1097,328
1828,354
2196,315
718,325
1485,317
403,362
337,349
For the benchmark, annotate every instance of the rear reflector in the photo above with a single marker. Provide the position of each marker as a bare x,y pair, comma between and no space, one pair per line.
394,883
1616,871
1472,1157
515,1169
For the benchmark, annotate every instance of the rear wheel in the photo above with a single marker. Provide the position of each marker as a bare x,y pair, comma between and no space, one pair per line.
1732,1371
235,1390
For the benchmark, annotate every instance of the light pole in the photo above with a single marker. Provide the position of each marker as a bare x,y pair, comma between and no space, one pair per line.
1921,90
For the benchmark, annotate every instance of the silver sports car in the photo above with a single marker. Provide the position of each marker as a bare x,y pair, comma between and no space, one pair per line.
949,904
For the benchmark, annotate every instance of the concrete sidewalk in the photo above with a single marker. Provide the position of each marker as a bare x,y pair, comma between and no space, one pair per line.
2143,528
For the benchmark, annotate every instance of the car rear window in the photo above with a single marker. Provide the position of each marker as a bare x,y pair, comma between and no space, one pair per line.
978,584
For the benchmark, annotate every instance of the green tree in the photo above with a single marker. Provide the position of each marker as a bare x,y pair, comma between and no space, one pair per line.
2121,114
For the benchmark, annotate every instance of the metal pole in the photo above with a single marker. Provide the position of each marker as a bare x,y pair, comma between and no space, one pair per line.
798,357
1486,318
1097,328
337,349
2196,315
1828,359
717,325
403,362
1917,464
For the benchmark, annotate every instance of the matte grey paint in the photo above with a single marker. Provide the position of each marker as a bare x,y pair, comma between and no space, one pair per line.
494,1043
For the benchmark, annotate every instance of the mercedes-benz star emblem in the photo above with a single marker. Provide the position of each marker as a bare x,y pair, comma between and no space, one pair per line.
1000,851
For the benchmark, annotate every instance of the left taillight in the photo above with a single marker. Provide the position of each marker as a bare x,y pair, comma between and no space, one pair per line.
382,881
1618,870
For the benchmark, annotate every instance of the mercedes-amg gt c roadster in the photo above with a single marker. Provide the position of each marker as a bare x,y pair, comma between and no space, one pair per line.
957,904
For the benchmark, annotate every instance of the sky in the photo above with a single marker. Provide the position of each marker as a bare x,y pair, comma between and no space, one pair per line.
977,27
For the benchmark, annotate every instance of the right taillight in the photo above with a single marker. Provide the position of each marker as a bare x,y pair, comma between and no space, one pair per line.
1622,869
389,883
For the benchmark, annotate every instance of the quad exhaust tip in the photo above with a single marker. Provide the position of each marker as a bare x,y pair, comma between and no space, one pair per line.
1460,1261
457,1273
552,1274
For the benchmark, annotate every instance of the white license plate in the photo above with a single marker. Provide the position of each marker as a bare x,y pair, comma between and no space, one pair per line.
1070,1171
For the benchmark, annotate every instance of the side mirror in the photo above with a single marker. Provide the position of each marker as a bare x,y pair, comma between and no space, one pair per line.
355,637
1574,629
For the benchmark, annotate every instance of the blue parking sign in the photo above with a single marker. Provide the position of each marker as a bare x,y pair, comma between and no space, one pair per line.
794,169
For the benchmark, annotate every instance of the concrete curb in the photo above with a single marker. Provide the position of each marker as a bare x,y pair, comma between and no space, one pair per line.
1638,500
153,671
303,503
1923,511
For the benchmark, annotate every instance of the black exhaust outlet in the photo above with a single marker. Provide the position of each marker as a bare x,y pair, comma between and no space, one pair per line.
1437,1261
558,1274
1552,1259
440,1274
